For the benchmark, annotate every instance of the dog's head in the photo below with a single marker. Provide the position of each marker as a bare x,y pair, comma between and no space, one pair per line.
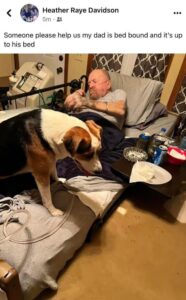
84,145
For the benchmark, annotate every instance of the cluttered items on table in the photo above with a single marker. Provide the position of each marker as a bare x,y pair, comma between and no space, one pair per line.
156,149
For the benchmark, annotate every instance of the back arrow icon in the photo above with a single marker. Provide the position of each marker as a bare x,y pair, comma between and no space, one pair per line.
8,12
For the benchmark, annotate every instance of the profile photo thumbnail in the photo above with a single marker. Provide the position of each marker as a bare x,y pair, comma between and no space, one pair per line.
29,12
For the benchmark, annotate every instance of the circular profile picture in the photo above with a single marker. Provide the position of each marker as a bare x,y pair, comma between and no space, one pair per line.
29,12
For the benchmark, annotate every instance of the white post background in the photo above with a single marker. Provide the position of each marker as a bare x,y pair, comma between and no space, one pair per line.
134,17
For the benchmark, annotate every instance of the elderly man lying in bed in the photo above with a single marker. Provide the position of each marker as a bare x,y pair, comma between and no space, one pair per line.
107,108
101,100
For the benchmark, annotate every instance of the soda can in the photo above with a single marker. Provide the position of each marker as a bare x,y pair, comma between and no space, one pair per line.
159,155
143,141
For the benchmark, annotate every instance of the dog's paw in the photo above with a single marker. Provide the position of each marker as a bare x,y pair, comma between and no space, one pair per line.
56,212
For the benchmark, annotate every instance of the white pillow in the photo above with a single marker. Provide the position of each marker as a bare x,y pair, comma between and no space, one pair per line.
142,94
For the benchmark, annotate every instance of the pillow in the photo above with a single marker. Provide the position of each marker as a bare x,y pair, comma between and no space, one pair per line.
159,110
142,94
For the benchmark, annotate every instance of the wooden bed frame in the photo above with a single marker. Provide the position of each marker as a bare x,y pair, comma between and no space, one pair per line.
9,281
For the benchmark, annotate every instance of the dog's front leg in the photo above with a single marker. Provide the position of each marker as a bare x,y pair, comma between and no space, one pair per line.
41,162
44,189
54,173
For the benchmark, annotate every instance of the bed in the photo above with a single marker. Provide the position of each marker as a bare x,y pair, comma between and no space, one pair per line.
85,201
39,256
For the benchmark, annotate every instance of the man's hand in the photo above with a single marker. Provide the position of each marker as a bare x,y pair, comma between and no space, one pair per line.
75,101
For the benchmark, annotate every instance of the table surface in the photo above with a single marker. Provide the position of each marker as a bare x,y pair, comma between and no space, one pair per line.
169,189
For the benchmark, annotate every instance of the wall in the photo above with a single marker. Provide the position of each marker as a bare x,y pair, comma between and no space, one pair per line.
171,77
6,64
77,66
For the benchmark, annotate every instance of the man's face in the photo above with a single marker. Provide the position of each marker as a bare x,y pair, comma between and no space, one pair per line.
99,85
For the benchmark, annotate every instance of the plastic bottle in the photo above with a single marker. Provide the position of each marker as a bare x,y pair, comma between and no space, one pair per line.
162,131
160,137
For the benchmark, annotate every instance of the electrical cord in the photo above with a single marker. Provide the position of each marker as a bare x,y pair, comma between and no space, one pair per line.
7,221
41,97
10,238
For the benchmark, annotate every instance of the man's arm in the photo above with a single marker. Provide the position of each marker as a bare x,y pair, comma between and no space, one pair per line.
76,101
116,108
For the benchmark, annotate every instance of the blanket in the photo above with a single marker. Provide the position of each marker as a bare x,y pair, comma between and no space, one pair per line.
113,144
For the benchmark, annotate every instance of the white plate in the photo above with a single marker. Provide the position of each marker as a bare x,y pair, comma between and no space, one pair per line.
143,171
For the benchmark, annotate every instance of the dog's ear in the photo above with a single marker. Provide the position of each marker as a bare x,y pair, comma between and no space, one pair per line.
94,128
77,140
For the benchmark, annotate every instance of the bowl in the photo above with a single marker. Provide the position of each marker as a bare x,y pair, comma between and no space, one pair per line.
134,154
176,155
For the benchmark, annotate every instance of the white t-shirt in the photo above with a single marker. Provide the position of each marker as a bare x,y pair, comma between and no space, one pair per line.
110,97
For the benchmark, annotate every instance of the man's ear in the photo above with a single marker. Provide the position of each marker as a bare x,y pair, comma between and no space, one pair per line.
109,84
75,138
94,128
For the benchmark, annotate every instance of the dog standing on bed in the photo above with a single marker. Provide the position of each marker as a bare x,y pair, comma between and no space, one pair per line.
33,141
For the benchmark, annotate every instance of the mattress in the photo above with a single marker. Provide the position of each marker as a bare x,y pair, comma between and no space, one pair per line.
7,114
167,122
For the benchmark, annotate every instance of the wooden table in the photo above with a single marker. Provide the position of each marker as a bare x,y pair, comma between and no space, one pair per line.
169,189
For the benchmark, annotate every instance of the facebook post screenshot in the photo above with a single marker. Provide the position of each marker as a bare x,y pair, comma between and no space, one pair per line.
92,150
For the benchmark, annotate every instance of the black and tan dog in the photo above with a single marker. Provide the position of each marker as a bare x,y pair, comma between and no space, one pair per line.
32,141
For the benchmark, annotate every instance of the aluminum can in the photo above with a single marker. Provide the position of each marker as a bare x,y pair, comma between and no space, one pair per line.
143,141
159,155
